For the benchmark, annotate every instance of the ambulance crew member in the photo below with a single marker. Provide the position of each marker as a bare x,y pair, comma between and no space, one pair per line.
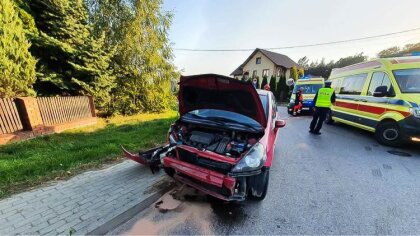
323,100
298,101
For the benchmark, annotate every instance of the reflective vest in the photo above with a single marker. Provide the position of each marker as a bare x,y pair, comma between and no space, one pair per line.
324,97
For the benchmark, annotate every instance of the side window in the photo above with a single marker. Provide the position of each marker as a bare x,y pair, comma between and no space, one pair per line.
380,79
376,81
336,85
274,105
353,84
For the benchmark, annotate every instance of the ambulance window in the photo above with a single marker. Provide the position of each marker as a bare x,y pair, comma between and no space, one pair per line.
353,84
379,79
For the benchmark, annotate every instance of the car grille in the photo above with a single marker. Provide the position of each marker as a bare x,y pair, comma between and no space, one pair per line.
194,159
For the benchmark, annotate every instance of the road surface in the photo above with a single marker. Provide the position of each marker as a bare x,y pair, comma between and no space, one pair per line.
341,182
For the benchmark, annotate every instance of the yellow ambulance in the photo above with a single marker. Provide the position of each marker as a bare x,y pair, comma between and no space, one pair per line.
310,86
381,96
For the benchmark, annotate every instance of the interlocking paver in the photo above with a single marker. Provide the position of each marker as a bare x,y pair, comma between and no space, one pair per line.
82,203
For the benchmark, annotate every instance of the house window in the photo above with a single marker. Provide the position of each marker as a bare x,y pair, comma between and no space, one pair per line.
265,72
279,72
254,74
258,60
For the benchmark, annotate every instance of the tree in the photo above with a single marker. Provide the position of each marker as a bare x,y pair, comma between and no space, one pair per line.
397,51
144,61
303,62
264,82
294,73
323,69
17,66
282,88
72,61
389,52
273,84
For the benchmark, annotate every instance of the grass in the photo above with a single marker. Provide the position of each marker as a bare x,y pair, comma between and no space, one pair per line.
60,156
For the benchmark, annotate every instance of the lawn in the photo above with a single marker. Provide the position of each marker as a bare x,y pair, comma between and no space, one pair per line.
60,156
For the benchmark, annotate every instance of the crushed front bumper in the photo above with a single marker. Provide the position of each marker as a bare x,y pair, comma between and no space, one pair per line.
210,182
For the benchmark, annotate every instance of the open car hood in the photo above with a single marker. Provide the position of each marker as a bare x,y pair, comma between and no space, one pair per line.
211,91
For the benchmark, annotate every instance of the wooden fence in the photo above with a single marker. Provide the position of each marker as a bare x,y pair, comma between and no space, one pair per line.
59,110
9,117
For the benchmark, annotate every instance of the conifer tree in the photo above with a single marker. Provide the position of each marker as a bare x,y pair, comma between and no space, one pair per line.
72,60
17,66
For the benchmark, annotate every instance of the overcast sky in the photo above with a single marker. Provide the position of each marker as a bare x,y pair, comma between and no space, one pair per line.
238,24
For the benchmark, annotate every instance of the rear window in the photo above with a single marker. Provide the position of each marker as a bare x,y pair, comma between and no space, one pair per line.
308,88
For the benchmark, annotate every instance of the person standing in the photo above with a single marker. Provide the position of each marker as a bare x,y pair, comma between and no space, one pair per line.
323,101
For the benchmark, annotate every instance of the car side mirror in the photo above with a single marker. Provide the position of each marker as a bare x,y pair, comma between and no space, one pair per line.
381,91
280,124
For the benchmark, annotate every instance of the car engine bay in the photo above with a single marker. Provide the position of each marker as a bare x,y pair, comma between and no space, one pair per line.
229,143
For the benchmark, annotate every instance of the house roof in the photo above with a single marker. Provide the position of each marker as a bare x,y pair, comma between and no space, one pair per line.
277,58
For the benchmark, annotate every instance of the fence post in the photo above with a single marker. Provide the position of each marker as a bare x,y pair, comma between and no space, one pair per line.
30,115
92,106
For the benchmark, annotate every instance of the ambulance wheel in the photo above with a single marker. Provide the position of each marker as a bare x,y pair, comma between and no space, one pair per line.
388,133
328,118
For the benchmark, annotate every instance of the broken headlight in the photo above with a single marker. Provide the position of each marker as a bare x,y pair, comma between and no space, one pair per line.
253,160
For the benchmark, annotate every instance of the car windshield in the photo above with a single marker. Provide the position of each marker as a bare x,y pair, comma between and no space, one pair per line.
222,116
308,88
408,80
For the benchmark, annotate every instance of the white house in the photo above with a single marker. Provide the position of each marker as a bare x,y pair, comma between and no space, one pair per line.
264,63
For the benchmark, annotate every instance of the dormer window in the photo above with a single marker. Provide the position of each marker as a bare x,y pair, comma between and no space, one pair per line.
258,60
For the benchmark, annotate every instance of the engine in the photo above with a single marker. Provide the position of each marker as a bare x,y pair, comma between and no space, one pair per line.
228,143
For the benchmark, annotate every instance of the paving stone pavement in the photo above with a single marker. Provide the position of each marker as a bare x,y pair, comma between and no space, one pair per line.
81,203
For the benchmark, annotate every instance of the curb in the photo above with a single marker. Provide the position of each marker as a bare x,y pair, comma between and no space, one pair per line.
131,212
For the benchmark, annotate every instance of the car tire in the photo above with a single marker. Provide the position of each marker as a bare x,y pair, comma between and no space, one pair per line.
260,183
328,119
169,171
389,133
289,111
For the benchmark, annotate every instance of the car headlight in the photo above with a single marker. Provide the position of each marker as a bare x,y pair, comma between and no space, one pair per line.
292,100
253,160
415,112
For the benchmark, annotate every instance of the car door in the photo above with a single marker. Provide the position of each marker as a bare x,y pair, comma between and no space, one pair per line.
372,107
348,97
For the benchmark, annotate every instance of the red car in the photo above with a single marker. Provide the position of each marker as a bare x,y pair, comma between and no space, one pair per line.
223,143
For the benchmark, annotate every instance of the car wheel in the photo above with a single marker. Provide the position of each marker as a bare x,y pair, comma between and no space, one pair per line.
169,171
328,118
289,111
260,186
388,133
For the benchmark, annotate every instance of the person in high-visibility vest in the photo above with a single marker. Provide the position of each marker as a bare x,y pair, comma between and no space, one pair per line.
323,101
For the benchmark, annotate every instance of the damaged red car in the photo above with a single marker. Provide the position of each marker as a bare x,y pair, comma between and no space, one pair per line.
223,143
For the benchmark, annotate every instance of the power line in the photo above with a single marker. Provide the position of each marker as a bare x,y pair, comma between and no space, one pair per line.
296,46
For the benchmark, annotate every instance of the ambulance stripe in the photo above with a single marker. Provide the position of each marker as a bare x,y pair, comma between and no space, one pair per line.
369,109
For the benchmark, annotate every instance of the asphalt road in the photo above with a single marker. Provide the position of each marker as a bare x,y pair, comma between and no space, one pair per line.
341,182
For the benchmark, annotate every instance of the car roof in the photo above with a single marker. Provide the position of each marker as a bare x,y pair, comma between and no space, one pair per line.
381,63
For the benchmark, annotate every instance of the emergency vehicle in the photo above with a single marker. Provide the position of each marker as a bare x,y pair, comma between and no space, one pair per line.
310,87
381,96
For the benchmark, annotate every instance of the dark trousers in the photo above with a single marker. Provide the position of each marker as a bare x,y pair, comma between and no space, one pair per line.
318,118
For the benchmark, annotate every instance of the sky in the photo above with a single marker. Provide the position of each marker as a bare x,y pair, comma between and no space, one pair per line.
246,24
